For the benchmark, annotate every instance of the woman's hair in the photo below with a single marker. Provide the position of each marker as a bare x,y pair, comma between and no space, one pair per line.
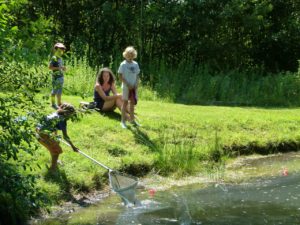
100,76
130,51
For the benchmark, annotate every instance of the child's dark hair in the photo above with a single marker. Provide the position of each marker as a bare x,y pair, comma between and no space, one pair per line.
100,76
66,109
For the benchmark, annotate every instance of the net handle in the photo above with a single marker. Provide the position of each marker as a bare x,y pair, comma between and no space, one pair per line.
89,157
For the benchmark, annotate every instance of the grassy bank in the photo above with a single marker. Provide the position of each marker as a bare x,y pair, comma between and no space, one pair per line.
174,139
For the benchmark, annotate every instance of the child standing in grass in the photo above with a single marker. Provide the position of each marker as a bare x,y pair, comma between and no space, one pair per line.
129,71
58,68
47,131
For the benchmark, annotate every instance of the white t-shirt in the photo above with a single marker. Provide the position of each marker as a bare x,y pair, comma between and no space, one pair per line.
129,71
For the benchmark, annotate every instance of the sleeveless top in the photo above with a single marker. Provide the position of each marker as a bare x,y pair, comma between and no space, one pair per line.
97,98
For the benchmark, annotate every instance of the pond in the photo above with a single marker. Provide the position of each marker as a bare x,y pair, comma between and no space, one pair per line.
254,190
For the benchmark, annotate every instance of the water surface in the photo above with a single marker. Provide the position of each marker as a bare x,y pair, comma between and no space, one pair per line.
256,191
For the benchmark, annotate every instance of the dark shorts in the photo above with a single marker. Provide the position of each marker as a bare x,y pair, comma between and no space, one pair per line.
99,104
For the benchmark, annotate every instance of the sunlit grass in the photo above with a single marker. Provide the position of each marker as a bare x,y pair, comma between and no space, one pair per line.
174,139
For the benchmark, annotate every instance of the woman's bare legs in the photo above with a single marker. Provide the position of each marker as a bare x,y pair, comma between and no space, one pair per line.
109,105
119,104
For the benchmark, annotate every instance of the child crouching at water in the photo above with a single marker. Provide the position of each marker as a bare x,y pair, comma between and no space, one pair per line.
47,131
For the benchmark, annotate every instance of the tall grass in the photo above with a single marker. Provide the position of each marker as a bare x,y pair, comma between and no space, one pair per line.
180,154
80,77
192,84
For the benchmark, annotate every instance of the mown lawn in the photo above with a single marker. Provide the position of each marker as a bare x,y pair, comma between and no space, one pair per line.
174,139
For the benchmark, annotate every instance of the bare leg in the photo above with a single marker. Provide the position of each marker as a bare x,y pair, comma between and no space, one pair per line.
53,147
119,104
58,99
109,105
54,158
52,99
124,107
131,111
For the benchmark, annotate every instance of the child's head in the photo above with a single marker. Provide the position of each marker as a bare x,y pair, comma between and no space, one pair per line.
104,75
67,110
130,53
59,49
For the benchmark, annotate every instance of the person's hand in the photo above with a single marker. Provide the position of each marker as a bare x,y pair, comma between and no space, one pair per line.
75,149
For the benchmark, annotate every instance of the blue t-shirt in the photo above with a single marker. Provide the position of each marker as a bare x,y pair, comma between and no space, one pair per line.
53,122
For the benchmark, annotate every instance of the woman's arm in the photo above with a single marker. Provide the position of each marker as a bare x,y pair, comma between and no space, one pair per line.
102,94
114,90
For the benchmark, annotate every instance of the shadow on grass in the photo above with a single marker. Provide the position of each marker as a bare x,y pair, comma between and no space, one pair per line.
111,115
142,138
59,177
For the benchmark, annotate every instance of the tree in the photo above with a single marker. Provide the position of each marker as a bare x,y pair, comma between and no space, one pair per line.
20,80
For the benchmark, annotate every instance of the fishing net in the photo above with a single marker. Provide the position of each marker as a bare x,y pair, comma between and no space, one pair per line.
124,185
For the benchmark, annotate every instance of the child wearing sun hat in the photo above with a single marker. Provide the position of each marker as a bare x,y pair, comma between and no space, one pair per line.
57,66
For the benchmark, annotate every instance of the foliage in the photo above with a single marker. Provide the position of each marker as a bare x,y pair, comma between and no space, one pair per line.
191,51
80,77
24,32
224,34
204,86
22,41
18,113
177,154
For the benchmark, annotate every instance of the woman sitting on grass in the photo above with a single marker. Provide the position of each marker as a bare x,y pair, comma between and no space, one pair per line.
105,83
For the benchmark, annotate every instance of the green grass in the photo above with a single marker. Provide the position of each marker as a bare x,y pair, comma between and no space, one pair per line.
174,139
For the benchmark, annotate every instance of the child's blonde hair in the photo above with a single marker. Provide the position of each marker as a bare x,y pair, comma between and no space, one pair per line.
130,51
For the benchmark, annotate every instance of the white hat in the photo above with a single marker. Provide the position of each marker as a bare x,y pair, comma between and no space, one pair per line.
60,45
